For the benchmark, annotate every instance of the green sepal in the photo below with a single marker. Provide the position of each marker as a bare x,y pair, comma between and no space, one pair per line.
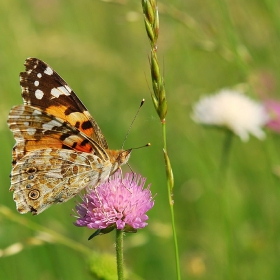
102,231
129,229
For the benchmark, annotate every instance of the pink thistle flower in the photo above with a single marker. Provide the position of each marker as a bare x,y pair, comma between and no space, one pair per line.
273,109
119,203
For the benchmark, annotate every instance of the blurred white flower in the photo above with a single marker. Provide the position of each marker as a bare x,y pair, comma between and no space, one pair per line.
233,110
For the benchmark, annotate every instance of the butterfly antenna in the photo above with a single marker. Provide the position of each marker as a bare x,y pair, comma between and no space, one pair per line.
141,104
129,166
140,147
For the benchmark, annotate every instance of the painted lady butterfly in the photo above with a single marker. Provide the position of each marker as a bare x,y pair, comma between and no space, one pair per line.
59,147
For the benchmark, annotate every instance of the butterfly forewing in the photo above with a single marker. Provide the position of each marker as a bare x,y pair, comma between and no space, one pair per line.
29,125
44,89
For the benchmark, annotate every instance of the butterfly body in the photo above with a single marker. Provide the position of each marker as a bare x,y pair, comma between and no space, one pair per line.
59,148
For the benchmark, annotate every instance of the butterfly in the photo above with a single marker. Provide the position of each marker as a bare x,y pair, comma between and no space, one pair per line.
60,149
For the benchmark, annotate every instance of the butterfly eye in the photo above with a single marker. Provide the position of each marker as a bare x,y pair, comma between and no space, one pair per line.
34,194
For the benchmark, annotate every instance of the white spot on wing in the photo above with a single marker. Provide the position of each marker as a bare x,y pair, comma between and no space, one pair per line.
54,175
56,92
26,123
64,90
36,112
49,125
39,94
39,75
31,130
68,88
36,83
48,71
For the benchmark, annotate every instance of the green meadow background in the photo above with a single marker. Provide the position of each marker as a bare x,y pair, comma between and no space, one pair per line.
228,225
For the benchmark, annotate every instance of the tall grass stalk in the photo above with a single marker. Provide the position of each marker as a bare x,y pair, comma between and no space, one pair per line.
272,7
151,20
242,58
239,51
55,236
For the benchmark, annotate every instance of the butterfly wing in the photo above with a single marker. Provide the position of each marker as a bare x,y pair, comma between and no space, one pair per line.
59,147
34,129
51,176
44,89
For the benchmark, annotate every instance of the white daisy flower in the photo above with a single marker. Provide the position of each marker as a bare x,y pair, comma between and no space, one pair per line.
233,110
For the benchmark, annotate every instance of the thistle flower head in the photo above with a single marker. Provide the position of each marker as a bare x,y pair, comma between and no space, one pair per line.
234,111
273,110
119,203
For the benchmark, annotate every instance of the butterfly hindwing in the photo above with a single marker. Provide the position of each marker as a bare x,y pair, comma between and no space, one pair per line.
49,176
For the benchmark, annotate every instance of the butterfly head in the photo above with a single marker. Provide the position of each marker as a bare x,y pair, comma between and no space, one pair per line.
118,158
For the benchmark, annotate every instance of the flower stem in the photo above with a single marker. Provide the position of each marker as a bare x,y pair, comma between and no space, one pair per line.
225,154
224,204
119,253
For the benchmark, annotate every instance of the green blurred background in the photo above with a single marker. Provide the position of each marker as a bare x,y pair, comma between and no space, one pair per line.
101,50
